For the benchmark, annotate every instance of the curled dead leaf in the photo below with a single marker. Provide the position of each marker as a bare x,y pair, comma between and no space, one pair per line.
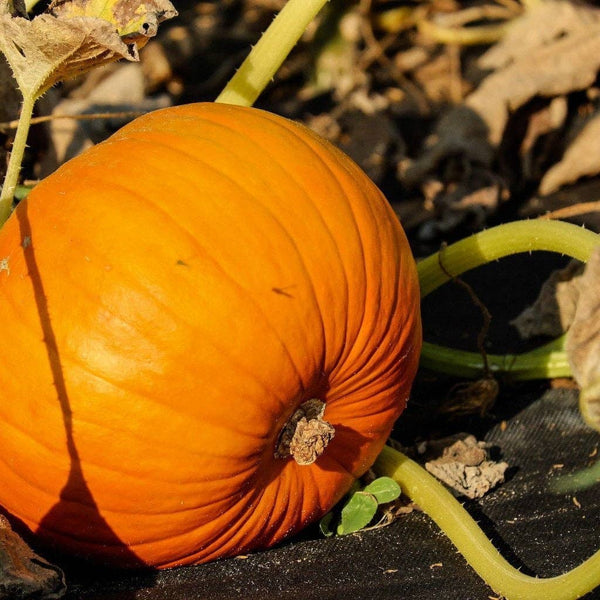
466,468
583,342
554,309
135,22
549,52
25,575
74,39
582,158
567,64
46,50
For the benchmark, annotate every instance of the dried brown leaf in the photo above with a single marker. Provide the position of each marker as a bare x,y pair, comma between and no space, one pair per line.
541,25
568,64
554,309
51,48
23,574
46,50
583,342
466,468
581,159
135,22
552,50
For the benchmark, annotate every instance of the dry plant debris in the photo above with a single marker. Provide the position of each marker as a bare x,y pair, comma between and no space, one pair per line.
23,574
554,309
569,301
518,121
465,466
553,49
73,38
581,158
583,341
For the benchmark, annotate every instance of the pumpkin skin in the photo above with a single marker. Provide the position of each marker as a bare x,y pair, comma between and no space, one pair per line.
169,299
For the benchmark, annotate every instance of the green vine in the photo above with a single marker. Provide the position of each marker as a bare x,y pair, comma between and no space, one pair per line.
271,50
450,516
13,169
487,246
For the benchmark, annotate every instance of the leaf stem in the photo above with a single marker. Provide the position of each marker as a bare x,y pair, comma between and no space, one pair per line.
16,158
271,50
473,544
486,246
546,362
504,240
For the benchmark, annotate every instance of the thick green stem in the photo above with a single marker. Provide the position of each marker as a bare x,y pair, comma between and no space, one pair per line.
271,50
546,362
489,245
503,240
16,158
472,543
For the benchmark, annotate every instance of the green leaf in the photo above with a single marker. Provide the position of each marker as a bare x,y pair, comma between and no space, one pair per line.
358,513
385,489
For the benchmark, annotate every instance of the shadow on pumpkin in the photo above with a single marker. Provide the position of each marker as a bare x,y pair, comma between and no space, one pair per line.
75,492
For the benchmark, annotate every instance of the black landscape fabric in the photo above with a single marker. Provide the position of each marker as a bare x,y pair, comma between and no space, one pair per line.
541,532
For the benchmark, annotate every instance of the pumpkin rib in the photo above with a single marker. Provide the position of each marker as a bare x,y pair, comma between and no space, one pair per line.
148,541
301,483
74,359
281,515
274,160
217,538
89,463
343,357
148,399
324,160
240,528
403,330
258,202
342,390
235,285
359,332
111,511
241,432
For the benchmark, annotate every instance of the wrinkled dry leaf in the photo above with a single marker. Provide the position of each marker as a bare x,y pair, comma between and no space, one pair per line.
553,49
541,56
543,129
23,574
582,158
541,25
554,309
51,48
583,342
549,52
136,22
46,50
466,468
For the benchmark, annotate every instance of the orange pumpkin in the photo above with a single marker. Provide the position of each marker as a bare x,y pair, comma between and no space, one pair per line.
210,323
